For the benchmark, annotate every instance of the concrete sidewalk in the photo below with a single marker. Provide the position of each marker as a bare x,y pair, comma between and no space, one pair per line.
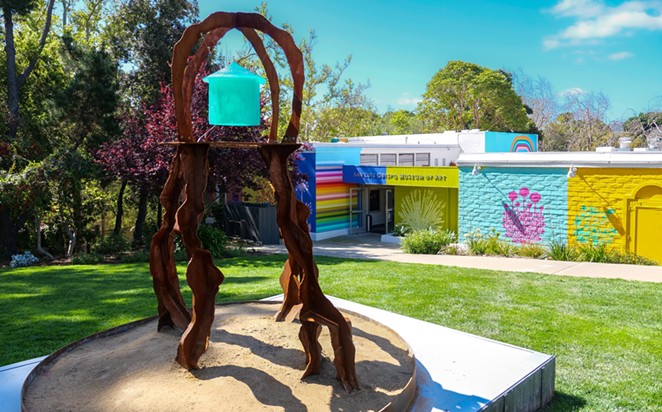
369,246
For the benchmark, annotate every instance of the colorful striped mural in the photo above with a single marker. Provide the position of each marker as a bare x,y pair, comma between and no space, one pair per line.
332,199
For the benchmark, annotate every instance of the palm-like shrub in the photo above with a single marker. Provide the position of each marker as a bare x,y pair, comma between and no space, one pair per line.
421,210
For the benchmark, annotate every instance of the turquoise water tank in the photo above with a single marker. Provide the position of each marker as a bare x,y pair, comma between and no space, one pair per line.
234,97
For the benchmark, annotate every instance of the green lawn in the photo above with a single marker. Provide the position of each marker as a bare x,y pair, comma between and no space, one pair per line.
606,334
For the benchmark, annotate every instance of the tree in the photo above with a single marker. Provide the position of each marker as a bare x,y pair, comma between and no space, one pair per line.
16,168
583,124
142,34
539,95
467,96
345,122
21,193
401,122
645,129
558,134
10,9
141,158
86,110
589,125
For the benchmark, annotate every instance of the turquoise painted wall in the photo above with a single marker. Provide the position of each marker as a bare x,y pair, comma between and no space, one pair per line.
338,155
524,205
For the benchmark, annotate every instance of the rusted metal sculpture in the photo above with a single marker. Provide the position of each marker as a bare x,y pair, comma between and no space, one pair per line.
188,175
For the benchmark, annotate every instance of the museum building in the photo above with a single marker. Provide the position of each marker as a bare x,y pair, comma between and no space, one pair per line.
491,182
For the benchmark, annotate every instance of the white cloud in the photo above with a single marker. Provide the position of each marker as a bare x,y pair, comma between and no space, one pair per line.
578,8
596,21
620,55
573,91
406,100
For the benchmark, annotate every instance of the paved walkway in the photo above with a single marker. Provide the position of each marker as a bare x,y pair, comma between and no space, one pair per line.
369,246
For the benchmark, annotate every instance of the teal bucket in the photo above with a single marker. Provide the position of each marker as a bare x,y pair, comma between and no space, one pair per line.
234,97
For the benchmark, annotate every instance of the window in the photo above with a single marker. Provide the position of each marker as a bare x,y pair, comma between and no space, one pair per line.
422,159
406,159
387,159
369,159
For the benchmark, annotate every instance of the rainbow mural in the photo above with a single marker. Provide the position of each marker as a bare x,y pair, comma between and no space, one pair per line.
332,199
499,142
522,143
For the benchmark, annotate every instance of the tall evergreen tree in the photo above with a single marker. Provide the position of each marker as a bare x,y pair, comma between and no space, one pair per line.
468,96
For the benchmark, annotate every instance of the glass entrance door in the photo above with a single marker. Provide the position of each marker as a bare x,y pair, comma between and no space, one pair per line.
355,209
388,211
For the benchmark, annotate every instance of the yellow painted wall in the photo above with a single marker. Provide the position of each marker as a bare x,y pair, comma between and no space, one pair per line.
416,176
446,197
597,201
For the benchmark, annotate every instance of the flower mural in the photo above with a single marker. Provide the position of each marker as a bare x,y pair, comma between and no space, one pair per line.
592,225
523,218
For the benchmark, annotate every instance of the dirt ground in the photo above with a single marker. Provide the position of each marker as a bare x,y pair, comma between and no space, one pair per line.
252,364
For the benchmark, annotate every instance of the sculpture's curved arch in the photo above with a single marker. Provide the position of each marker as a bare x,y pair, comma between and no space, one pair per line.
214,28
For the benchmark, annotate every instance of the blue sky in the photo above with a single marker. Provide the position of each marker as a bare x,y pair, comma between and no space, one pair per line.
613,47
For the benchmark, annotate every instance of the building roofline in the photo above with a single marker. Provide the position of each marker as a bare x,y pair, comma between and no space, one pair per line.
385,145
563,159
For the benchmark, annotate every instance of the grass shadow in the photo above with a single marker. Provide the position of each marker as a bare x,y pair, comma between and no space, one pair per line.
564,402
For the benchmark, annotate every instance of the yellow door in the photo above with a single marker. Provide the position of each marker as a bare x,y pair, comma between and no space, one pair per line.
647,227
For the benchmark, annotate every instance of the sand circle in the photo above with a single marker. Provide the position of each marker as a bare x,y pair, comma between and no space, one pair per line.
252,363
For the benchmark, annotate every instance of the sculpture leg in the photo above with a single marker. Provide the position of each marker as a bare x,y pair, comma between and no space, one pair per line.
203,277
309,337
316,307
171,307
289,282
290,278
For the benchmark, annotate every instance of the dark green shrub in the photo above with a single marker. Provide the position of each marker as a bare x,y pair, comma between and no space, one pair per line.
92,258
632,259
491,245
135,257
602,254
427,241
589,252
401,230
476,242
561,251
214,240
532,250
503,248
112,244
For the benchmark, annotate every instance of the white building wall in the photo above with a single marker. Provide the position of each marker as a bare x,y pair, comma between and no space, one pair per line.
472,141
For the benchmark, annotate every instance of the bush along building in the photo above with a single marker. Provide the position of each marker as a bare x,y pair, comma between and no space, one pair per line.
492,183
